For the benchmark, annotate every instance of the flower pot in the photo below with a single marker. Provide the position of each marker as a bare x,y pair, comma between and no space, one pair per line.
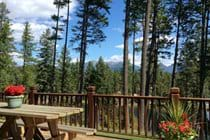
14,101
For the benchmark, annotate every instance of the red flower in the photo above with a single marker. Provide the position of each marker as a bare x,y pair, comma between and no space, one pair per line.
182,128
14,90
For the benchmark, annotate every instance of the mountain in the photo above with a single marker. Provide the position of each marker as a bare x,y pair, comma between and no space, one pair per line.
117,66
165,68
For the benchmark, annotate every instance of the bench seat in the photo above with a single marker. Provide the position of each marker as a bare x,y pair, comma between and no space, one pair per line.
67,128
70,130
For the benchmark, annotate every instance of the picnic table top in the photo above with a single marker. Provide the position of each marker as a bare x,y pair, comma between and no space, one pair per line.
38,111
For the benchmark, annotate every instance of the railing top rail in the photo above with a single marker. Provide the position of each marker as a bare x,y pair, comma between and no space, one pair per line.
60,94
126,96
134,97
194,99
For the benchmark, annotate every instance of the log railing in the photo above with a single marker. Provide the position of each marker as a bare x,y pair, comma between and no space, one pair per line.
107,112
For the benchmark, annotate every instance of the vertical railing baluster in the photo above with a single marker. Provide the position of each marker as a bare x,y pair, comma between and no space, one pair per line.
153,119
113,108
108,113
146,117
132,116
119,114
139,116
96,112
209,111
102,114
86,108
126,112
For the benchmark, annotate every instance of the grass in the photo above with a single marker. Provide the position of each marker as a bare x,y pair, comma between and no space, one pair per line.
122,137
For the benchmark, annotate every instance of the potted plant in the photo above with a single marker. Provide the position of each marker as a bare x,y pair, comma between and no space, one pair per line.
176,123
14,95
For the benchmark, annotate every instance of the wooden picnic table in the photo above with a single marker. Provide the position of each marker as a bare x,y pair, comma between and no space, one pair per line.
32,115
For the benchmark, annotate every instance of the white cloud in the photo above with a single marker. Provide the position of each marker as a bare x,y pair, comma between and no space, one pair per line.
121,46
17,58
27,9
139,40
36,30
37,12
167,62
119,58
74,60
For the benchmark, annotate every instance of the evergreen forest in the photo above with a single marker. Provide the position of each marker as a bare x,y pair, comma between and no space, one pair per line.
170,28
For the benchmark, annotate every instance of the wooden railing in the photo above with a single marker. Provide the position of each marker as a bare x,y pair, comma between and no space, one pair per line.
121,114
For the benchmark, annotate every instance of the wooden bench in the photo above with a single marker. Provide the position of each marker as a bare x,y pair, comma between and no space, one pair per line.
70,130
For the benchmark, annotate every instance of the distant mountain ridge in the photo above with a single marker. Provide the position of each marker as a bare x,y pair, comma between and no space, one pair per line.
117,66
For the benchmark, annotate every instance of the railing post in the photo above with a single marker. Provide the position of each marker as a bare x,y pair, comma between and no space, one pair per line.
90,98
175,95
31,96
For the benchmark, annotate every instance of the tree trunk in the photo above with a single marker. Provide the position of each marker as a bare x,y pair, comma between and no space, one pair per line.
54,50
202,50
177,43
125,61
151,49
65,49
202,64
144,65
125,55
155,67
133,68
83,49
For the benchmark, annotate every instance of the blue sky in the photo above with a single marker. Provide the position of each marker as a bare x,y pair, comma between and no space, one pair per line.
38,12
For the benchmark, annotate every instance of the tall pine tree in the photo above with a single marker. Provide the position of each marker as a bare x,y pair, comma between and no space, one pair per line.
92,18
28,47
45,62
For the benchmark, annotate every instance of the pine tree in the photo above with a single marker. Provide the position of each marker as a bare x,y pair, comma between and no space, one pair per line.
3,14
179,6
92,18
90,75
188,65
103,77
69,83
6,48
28,47
45,62
67,2
58,28
160,43
144,61
125,50
137,9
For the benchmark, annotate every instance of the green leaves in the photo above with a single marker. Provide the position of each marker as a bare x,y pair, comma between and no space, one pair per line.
174,111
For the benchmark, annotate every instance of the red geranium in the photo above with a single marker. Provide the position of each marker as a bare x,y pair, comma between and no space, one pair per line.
177,131
14,90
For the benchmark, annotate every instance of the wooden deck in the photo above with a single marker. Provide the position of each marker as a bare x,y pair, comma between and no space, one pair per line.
81,137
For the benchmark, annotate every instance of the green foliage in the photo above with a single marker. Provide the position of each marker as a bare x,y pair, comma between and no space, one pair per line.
70,78
176,124
90,75
3,14
163,83
28,60
103,77
96,12
28,45
6,49
188,65
45,62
